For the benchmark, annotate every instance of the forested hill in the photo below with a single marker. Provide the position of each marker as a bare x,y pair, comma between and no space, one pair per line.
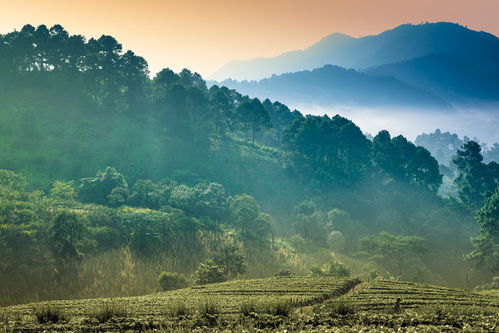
182,170
331,86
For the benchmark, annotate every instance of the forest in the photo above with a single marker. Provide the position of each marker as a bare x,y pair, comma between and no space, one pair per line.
117,183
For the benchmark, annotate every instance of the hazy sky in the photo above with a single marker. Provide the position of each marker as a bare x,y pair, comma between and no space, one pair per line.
204,34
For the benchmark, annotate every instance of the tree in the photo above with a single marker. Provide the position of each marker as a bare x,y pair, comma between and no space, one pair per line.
98,189
475,179
229,258
68,232
249,219
209,272
63,191
253,117
486,245
392,251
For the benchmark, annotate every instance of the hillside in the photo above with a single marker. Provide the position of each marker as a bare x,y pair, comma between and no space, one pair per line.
293,303
455,80
399,44
331,86
109,177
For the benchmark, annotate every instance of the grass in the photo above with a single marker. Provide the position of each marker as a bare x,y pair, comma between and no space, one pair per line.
248,308
208,308
180,309
109,311
281,308
341,308
48,314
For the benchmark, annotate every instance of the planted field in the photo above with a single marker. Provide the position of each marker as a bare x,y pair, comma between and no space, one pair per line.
297,304
223,298
384,294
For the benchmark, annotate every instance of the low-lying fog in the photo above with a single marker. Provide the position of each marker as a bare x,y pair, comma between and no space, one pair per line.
483,125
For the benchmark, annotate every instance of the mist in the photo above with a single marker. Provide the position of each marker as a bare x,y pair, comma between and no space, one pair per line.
410,122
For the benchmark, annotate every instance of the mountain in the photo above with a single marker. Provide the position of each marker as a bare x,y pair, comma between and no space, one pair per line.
334,85
453,79
402,43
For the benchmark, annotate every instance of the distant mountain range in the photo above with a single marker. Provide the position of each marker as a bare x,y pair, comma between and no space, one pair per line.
430,65
334,85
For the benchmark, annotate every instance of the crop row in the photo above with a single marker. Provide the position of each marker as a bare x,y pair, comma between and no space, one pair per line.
385,293
227,297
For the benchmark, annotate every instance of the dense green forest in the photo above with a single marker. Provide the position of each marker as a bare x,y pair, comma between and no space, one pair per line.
110,177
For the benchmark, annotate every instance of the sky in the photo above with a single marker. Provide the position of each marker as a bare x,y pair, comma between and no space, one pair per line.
202,35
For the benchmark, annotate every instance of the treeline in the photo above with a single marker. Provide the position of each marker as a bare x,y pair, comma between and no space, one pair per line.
105,238
70,107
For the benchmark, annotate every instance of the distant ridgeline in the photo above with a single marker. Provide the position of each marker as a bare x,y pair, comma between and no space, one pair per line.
432,65
71,107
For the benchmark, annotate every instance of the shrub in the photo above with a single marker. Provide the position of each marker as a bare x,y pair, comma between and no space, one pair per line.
209,272
284,272
247,308
208,308
48,314
180,309
333,269
172,280
281,308
108,311
337,269
341,307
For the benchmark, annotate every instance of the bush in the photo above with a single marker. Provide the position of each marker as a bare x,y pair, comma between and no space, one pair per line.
108,311
208,308
47,314
281,308
333,269
341,307
209,272
172,280
180,309
284,272
247,308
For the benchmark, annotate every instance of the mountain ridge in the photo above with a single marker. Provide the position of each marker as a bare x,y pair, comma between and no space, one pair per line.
400,43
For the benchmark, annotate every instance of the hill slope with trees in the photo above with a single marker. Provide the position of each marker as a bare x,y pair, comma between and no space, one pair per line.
110,177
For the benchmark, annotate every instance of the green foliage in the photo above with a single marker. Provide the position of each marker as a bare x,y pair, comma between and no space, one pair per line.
180,309
68,232
475,179
209,272
208,308
64,191
327,151
172,280
486,245
400,160
12,180
108,311
334,268
48,314
392,251
247,308
282,308
107,188
284,272
341,307
248,218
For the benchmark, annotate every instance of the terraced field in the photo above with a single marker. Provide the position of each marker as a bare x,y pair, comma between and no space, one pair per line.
309,304
383,294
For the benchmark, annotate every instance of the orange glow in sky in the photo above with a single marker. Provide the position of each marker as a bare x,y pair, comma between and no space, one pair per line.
204,34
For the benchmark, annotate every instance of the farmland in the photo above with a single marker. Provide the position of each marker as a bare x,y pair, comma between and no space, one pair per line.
292,303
